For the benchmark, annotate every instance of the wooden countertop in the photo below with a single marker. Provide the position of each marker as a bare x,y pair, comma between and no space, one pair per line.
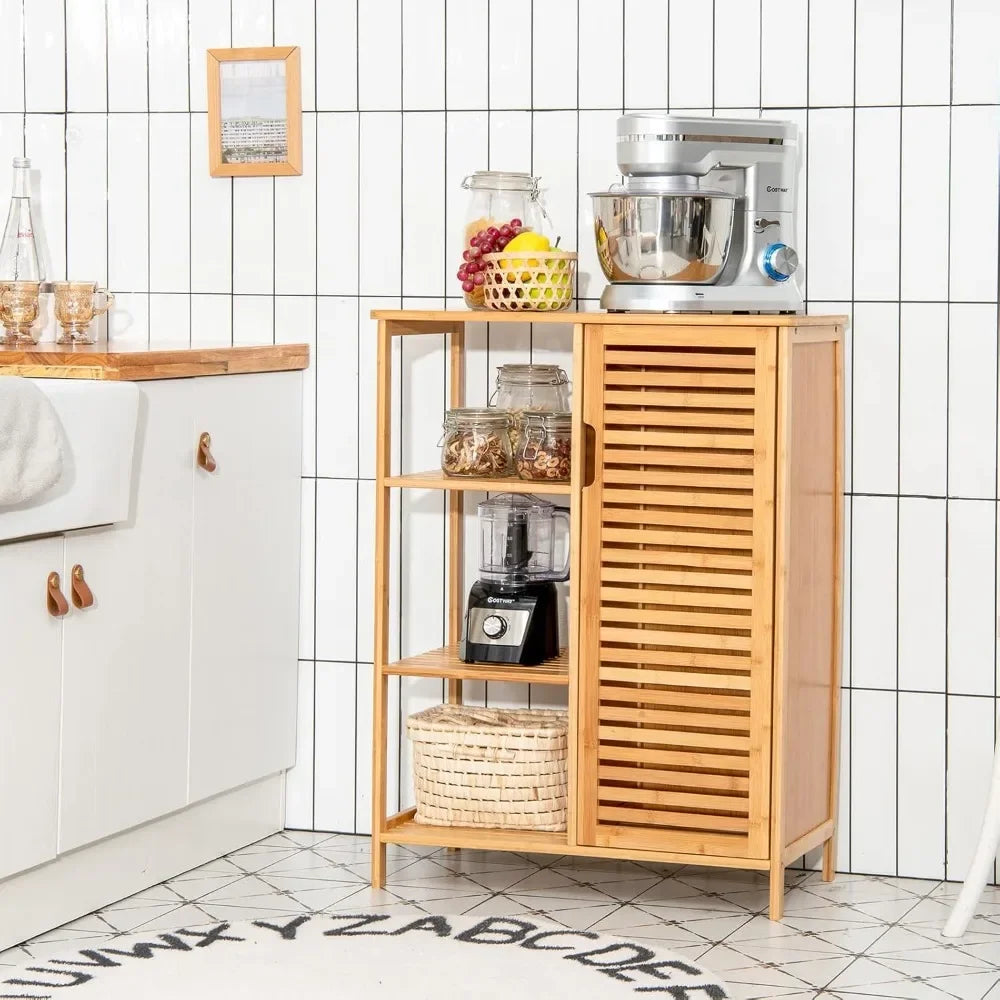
616,319
137,364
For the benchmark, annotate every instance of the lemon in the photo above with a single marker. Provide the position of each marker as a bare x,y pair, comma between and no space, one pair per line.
534,292
529,241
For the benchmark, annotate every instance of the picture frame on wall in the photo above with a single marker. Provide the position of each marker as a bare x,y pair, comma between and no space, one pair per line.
255,112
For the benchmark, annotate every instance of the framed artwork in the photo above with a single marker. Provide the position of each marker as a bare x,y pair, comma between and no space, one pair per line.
254,112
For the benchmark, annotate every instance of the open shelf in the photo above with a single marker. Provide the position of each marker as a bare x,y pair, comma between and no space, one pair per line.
444,663
437,480
409,831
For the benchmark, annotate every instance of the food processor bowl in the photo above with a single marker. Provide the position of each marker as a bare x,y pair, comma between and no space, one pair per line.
663,237
519,542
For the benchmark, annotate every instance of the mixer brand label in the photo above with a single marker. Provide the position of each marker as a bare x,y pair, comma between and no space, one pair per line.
771,189
499,600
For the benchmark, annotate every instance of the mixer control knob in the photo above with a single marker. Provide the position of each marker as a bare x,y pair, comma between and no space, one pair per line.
494,626
779,262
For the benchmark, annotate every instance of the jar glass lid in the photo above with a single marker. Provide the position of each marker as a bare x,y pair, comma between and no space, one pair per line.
501,180
548,418
531,375
489,415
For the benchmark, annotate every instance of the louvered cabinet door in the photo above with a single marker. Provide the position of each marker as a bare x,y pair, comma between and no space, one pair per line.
676,582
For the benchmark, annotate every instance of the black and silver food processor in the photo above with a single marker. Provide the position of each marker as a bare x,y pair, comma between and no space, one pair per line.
512,614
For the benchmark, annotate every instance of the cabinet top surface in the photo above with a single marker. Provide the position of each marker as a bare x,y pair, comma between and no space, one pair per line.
135,364
615,319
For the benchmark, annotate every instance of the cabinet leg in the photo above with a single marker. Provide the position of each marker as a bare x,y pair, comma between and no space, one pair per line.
777,907
829,859
378,863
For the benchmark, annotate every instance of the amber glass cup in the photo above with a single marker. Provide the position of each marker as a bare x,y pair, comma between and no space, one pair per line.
19,310
76,308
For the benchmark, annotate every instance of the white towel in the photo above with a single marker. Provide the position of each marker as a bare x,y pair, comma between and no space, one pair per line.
31,457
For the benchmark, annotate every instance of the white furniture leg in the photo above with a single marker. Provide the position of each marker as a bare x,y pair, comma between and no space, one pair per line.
982,863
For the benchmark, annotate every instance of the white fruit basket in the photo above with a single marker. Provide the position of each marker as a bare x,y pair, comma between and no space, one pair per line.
532,280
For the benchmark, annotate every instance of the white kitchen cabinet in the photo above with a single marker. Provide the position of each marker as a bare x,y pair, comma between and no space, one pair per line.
125,677
245,581
30,651
147,732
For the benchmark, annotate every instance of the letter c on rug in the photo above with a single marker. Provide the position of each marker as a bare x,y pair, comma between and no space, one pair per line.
532,942
514,934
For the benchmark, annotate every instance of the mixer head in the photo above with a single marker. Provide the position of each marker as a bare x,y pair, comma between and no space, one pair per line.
676,145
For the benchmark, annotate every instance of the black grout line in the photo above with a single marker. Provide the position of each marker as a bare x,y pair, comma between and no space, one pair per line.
616,107
149,193
947,438
899,396
187,27
849,546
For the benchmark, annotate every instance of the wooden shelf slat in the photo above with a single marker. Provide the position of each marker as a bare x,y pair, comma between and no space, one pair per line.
444,663
477,838
437,480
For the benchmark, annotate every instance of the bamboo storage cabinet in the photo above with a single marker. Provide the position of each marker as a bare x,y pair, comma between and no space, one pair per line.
703,667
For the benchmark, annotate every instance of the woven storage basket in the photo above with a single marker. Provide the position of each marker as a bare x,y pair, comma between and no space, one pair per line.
496,767
532,280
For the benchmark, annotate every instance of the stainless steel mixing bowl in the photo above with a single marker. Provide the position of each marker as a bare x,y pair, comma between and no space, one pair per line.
663,237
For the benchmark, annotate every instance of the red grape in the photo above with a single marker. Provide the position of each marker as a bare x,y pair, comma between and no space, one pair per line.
474,242
479,279
493,232
472,267
462,274
502,242
486,247
505,230
515,224
468,286
467,254
474,252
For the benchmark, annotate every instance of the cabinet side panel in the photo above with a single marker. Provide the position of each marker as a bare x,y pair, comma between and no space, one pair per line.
808,583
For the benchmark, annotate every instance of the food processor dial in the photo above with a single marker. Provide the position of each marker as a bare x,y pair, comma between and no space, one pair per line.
494,626
779,262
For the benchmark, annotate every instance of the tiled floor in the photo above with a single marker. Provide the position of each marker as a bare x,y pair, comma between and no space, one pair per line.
859,936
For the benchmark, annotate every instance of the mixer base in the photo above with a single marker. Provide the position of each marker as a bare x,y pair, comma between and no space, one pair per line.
653,297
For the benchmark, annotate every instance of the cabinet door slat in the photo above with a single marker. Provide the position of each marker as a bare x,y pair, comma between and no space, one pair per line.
676,597
678,379
712,399
649,456
676,779
660,358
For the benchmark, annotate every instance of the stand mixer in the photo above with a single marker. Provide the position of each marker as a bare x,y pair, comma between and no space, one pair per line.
705,218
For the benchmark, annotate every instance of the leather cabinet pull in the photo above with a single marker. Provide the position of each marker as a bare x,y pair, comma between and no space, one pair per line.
81,594
54,597
205,458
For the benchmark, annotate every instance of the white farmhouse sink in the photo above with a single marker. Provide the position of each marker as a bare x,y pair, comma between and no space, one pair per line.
99,422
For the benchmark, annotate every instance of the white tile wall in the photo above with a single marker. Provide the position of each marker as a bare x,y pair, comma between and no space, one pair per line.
899,105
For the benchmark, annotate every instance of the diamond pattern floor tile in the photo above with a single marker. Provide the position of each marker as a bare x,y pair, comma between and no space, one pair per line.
854,938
